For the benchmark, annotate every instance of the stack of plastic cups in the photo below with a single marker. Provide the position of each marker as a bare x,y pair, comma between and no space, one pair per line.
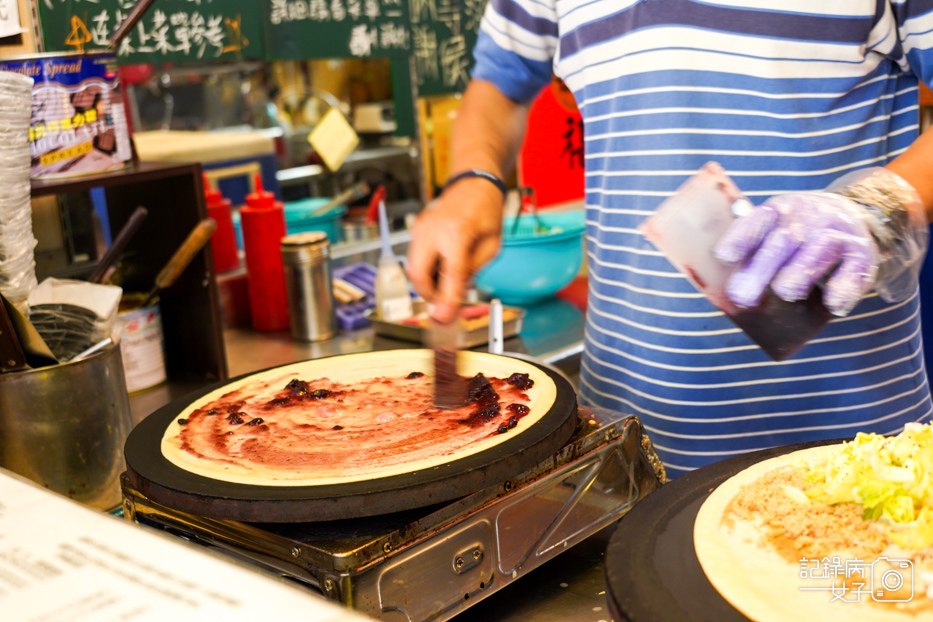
17,243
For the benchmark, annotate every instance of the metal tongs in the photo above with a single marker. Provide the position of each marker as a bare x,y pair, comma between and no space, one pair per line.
524,192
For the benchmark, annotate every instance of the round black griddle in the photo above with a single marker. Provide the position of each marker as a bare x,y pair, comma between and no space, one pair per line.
652,570
163,482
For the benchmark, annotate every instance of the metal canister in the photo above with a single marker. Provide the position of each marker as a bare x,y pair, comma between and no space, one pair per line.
306,257
64,426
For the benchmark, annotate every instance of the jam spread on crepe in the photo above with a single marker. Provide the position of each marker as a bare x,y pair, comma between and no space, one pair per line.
294,424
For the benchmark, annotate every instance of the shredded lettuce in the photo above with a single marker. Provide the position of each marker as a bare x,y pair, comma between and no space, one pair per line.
890,477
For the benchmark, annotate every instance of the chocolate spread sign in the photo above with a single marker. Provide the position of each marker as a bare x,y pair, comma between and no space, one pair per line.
353,418
78,123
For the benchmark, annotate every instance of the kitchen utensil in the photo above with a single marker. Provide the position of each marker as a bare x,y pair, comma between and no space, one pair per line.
161,481
449,387
64,426
182,257
419,332
496,340
393,297
119,243
354,192
73,315
127,24
12,356
306,257
379,196
100,345
686,227
538,227
531,268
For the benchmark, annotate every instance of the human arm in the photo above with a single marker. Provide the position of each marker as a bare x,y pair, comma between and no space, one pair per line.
462,230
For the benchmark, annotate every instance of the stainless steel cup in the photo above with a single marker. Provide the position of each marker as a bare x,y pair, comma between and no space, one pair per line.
306,257
64,426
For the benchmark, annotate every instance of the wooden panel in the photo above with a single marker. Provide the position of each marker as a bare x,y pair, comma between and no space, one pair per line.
24,43
191,312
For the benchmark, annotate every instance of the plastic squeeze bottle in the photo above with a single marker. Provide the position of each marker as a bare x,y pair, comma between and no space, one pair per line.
393,300
263,222
223,242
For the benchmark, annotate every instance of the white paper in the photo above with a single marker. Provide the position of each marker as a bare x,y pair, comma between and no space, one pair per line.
9,18
63,562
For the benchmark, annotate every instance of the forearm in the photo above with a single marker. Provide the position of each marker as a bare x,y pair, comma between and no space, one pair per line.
488,131
915,166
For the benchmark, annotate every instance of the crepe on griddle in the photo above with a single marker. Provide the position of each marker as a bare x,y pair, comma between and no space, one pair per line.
351,418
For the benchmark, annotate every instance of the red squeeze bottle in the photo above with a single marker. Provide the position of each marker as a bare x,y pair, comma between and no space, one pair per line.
263,222
223,242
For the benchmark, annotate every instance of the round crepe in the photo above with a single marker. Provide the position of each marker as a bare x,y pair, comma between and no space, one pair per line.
350,369
755,579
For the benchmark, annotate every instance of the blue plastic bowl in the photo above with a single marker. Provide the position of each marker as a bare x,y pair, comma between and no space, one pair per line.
531,267
298,219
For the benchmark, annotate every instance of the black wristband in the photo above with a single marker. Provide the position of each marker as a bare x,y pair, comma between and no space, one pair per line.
476,172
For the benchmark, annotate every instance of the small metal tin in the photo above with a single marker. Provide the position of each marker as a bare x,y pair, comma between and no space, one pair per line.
306,258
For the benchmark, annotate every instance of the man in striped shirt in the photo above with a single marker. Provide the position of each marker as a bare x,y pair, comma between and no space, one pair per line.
788,96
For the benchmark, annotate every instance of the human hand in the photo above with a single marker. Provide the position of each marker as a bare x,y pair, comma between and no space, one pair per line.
869,230
791,242
451,240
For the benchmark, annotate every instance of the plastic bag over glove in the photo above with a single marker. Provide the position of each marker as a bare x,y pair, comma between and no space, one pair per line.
867,230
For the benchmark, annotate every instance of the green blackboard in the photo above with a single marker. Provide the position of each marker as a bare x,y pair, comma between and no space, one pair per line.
297,29
438,35
303,29
170,31
443,33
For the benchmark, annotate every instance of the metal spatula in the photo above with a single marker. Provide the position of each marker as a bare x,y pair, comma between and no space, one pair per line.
449,386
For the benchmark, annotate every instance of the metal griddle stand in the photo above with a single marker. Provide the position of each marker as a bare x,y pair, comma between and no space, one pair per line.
432,563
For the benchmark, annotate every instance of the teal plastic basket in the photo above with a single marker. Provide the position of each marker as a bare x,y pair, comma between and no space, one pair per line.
535,263
298,219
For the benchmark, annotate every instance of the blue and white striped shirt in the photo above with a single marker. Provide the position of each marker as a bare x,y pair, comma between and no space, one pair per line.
787,95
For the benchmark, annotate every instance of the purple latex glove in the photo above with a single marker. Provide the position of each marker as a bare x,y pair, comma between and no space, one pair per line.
792,241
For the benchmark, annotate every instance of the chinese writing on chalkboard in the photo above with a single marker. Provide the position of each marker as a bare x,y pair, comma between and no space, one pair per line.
443,35
190,28
377,25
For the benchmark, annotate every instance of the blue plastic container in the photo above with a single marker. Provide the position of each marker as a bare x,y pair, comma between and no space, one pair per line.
531,267
298,219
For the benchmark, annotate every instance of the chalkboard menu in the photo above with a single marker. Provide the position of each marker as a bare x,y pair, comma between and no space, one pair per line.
301,29
438,35
443,33
170,31
336,28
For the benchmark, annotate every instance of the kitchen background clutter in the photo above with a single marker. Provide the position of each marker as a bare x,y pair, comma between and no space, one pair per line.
208,118
220,100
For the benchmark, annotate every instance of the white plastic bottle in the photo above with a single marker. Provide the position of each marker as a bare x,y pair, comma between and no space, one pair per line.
393,299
